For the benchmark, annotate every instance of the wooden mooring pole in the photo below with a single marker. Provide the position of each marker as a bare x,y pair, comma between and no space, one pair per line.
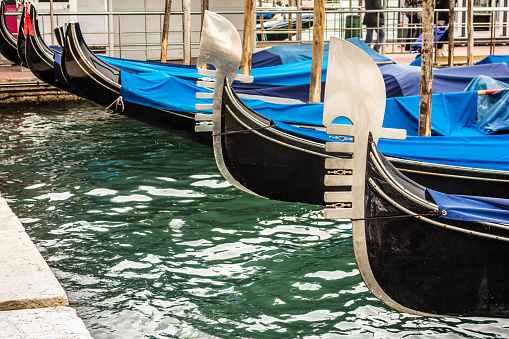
315,84
428,7
247,40
166,27
52,22
470,32
204,7
450,60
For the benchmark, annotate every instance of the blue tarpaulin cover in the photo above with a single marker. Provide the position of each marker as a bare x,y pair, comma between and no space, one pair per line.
438,33
493,59
277,24
284,54
471,208
445,80
460,143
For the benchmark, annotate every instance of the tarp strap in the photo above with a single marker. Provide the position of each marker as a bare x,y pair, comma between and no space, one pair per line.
241,131
431,214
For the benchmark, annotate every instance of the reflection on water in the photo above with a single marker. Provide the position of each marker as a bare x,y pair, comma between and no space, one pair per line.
149,240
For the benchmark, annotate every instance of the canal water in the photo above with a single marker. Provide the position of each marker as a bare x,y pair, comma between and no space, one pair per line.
149,241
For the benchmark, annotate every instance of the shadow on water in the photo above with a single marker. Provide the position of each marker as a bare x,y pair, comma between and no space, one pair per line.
149,240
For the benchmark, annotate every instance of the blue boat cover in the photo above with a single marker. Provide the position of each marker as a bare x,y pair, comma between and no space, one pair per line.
471,208
461,142
494,59
445,80
288,54
282,23
438,33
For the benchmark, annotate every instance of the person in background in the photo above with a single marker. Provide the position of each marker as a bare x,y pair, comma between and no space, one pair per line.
374,22
442,19
414,21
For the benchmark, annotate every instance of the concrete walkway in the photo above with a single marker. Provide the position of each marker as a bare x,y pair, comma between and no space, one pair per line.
32,302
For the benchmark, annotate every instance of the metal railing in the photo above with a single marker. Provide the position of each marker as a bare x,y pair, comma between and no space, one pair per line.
122,37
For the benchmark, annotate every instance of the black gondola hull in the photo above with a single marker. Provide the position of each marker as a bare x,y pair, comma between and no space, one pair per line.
271,173
426,264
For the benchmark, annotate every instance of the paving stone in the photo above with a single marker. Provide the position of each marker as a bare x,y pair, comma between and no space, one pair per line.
26,280
44,323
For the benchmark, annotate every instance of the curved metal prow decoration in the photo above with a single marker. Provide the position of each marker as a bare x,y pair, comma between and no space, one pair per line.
355,90
220,46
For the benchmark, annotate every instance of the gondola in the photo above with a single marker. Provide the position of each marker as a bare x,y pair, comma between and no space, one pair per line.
8,47
280,29
418,254
39,57
265,156
94,79
416,251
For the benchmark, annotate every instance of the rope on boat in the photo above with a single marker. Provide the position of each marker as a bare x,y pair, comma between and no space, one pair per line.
118,102
431,214
241,131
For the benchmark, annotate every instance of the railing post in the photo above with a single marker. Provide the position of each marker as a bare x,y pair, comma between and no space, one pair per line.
186,20
298,22
111,40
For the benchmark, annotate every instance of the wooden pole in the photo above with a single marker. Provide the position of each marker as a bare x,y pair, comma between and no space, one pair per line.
315,84
299,22
204,7
450,60
247,40
166,27
262,28
290,22
492,32
51,22
186,21
428,7
470,32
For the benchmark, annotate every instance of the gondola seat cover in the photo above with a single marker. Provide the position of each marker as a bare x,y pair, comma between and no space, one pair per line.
494,59
289,54
472,208
461,143
445,80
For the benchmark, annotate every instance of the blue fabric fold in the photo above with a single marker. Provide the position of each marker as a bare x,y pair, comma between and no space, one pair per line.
472,208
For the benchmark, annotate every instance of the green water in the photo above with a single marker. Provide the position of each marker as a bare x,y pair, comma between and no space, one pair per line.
149,241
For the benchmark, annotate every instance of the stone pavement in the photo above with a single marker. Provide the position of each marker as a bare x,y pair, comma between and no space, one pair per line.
32,302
